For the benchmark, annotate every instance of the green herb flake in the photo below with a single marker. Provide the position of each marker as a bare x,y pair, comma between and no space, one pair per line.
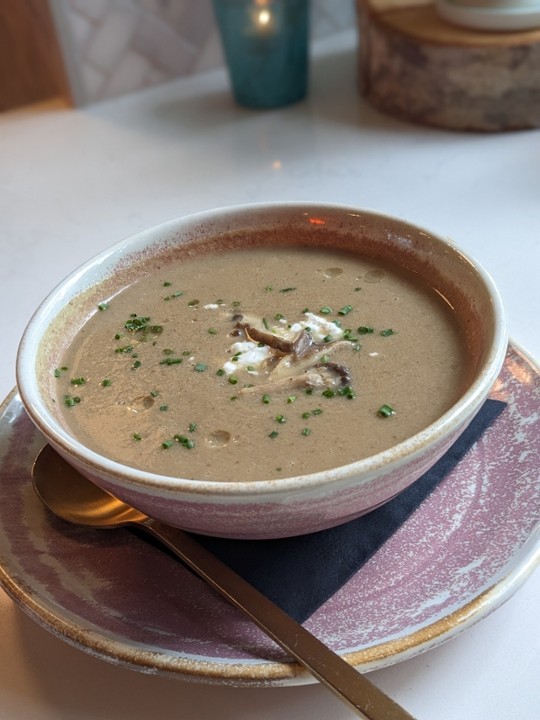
192,427
154,393
137,364
167,283
179,293
347,392
306,431
212,331
103,306
273,434
233,379
137,436
291,399
345,310
387,332
200,367
106,382
365,330
71,400
287,289
306,414
171,361
166,444
280,419
386,411
265,323
327,338
163,408
193,303
325,310
328,393
220,372
268,288
317,411
57,373
78,381
266,399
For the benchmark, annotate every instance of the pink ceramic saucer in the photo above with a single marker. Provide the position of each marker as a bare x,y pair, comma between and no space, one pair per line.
118,598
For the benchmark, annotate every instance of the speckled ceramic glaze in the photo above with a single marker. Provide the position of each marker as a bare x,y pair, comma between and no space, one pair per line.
288,506
464,551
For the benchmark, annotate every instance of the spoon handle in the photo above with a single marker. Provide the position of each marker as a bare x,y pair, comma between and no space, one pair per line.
328,667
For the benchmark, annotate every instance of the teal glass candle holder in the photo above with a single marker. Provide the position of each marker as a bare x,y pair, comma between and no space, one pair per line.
266,47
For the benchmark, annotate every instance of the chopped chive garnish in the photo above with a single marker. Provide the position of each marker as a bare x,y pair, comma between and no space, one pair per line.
386,411
71,400
184,441
325,310
357,289
266,399
179,293
166,444
193,303
57,373
287,289
163,408
328,393
167,284
348,335
154,393
200,367
125,349
268,288
137,436
347,392
233,379
186,353
291,399
171,361
265,323
387,332
136,364
317,411
103,305
220,372
273,434
118,336
106,382
327,338
337,323
280,419
235,303
345,310
212,331
78,381
305,415
306,431
192,427
304,311
168,351
365,330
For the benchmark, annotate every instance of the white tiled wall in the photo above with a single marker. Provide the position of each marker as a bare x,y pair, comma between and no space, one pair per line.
113,47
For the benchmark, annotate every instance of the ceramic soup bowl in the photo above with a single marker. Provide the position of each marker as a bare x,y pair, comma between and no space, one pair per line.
288,505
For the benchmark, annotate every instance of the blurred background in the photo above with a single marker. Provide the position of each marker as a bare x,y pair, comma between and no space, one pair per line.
92,50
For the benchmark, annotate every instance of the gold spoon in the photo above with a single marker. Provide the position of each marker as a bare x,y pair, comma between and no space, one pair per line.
74,498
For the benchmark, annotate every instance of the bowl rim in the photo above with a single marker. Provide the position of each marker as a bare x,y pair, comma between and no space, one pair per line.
147,482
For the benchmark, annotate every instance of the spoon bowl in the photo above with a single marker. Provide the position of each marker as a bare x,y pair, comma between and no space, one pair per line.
75,499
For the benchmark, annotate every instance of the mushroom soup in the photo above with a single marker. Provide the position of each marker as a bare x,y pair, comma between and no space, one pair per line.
263,362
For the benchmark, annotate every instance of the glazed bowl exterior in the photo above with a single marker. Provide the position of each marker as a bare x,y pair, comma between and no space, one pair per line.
293,505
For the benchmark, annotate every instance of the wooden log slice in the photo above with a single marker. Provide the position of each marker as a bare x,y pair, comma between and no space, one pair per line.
418,67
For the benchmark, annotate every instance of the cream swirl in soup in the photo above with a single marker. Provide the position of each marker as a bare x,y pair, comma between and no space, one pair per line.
260,363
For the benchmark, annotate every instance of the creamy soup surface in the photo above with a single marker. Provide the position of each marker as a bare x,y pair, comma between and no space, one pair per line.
261,363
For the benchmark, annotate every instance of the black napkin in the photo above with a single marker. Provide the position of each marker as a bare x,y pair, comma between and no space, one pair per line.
300,573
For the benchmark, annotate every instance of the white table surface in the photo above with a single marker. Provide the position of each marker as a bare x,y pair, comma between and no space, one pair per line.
73,182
